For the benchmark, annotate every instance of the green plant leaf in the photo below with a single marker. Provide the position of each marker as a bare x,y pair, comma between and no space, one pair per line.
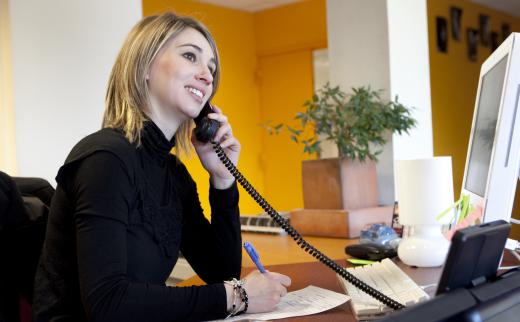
355,122
294,131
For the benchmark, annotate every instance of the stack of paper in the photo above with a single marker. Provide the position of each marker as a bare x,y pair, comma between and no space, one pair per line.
310,300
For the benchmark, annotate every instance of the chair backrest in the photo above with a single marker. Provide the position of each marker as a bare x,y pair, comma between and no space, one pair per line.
35,187
24,208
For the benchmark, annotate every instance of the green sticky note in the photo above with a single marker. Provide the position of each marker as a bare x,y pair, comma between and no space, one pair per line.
357,261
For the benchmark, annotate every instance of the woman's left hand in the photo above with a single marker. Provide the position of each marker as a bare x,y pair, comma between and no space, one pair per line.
220,177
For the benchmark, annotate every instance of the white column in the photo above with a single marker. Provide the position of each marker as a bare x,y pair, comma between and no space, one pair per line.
62,53
384,44
410,74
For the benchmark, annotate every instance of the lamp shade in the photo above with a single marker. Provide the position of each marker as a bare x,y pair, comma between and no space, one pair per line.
425,189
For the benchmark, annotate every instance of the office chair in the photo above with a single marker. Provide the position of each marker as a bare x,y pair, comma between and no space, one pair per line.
24,207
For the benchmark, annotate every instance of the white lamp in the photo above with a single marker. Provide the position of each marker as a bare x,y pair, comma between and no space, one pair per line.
425,189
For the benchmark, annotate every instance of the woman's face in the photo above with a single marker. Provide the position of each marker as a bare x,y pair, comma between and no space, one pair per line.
181,76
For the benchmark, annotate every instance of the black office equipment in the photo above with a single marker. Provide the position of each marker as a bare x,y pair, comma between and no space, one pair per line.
448,307
474,255
469,290
370,251
206,128
496,301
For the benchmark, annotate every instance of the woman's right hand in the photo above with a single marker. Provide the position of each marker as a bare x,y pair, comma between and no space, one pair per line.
265,290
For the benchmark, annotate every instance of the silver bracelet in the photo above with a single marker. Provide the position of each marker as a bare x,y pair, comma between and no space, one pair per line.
238,290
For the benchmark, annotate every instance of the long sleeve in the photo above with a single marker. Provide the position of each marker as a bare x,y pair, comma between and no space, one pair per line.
213,249
104,197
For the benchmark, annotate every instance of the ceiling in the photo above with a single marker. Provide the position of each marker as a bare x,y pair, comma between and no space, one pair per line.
509,6
249,5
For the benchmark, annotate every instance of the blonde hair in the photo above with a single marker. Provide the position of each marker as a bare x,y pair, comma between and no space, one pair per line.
127,94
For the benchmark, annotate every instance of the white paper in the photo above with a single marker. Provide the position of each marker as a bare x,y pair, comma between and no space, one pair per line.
309,300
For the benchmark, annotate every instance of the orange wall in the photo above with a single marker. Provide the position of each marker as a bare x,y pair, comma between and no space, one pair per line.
234,33
285,82
454,81
299,26
286,37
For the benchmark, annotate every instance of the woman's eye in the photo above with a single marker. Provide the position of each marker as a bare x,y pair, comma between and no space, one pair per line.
189,56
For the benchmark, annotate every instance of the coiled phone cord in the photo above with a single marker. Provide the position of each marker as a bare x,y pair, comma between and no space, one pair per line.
298,238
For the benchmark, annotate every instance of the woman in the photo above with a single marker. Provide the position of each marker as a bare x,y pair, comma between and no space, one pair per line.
124,206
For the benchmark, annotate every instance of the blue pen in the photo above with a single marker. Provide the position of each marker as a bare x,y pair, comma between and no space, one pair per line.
251,251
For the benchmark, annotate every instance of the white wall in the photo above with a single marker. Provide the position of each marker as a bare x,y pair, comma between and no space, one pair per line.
62,52
384,44
410,74
321,76
358,43
359,56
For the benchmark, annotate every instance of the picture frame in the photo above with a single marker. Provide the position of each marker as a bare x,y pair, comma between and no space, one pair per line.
495,42
484,30
442,34
506,30
472,43
455,22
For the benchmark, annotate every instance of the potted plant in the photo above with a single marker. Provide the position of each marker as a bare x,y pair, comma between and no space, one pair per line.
357,124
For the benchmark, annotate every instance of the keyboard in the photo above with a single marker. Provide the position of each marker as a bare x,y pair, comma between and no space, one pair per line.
386,277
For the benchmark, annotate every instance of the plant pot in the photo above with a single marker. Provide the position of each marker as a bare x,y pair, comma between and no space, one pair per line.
339,183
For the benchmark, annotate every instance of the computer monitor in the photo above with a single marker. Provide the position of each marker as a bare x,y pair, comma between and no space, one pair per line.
493,159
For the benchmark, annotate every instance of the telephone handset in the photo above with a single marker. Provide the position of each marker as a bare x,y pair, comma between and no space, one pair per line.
205,130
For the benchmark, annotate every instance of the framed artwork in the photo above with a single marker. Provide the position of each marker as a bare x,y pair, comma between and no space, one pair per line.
455,18
495,42
442,34
484,30
472,42
506,30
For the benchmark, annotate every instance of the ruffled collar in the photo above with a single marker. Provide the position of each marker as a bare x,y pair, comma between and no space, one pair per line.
155,143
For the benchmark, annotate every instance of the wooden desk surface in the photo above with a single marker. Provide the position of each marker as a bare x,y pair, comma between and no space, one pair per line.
277,249
281,254
281,249
305,274
317,274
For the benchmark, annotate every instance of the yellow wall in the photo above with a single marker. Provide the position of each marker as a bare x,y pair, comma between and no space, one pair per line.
454,80
285,83
238,94
286,37
299,26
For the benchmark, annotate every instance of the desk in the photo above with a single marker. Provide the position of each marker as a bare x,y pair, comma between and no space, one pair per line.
281,254
315,273
281,249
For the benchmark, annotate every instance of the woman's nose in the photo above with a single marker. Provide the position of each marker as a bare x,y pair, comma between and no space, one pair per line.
205,75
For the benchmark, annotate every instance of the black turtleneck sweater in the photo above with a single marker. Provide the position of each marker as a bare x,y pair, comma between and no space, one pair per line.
118,220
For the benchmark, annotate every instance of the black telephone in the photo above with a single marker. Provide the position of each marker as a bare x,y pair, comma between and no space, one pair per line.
205,130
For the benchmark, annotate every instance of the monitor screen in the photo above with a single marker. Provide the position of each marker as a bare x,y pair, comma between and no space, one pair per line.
484,128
